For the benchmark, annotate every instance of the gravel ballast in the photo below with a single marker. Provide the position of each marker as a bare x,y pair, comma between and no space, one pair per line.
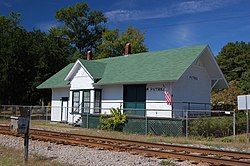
75,155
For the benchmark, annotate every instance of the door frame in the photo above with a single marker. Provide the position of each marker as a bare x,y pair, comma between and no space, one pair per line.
67,110
135,85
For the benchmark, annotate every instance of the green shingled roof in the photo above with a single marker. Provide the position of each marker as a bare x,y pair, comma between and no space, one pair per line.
146,67
95,68
57,80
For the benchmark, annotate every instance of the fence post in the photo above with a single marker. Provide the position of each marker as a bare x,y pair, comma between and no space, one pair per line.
121,106
186,123
16,111
234,132
146,127
4,112
247,129
247,126
87,120
30,114
46,114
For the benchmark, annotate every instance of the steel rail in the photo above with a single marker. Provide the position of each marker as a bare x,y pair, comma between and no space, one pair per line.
143,150
156,145
163,151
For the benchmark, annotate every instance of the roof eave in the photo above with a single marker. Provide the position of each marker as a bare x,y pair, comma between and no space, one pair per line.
52,87
222,75
137,82
73,69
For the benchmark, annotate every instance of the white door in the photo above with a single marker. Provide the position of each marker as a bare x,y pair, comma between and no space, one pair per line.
64,112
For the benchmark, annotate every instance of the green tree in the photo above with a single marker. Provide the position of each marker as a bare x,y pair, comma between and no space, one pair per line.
226,99
113,42
245,82
82,26
52,54
234,60
10,36
26,60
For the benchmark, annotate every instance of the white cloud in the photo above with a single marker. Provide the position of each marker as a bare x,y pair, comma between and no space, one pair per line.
183,35
45,26
187,7
122,15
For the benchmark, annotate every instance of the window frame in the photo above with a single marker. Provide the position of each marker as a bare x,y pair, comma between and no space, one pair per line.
97,110
73,101
84,108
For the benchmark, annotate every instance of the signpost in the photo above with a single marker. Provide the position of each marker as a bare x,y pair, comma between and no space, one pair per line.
244,104
20,125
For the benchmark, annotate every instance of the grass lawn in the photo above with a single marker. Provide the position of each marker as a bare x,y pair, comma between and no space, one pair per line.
240,141
10,157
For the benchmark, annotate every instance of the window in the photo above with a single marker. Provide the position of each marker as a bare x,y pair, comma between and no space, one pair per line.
97,102
86,101
76,101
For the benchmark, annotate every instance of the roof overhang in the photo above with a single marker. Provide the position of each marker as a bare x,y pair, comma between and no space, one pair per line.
221,82
137,82
216,76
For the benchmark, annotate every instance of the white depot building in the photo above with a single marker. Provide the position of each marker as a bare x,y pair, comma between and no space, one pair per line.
154,84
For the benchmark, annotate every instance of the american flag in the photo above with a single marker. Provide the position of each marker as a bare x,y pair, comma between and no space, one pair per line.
168,98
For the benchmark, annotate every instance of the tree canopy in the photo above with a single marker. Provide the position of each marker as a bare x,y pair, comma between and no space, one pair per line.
234,61
82,26
27,58
226,99
113,42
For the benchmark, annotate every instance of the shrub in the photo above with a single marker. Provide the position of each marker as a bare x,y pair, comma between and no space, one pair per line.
116,121
241,123
218,126
211,127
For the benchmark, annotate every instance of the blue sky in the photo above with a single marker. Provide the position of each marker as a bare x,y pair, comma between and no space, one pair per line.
166,23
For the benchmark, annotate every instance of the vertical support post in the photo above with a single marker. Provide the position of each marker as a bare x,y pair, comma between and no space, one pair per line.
29,115
186,123
188,105
87,120
26,139
247,132
16,110
234,133
146,125
4,111
26,146
46,114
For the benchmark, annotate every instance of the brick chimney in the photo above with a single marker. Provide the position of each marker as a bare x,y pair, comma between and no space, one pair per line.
89,55
127,49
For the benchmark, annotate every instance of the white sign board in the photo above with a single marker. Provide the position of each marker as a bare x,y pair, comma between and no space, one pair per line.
244,102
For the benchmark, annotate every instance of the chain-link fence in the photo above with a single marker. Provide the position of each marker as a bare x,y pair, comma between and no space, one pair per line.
178,122
38,113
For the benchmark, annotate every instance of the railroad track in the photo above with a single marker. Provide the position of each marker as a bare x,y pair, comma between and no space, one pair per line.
214,157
